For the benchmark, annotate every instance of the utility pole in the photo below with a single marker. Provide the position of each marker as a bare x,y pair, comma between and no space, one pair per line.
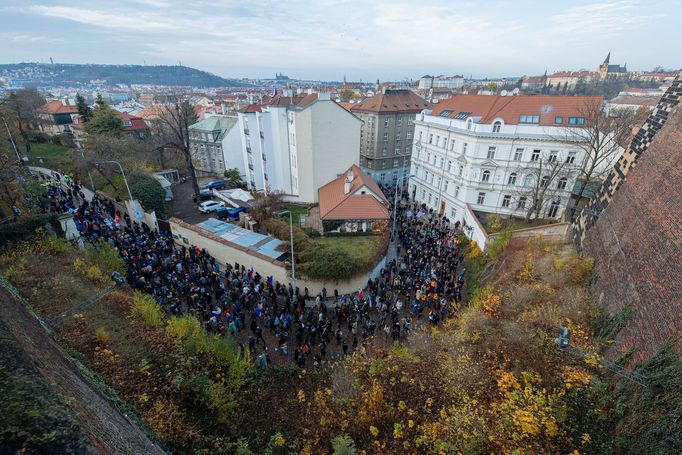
11,139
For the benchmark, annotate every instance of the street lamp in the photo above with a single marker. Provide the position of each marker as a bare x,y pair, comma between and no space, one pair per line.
395,201
130,195
291,241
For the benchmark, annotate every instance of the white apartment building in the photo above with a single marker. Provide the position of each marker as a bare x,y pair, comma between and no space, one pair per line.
488,151
296,144
214,143
451,82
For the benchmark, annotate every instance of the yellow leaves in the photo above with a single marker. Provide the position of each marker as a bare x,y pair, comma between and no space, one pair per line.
593,360
527,422
401,405
508,383
585,438
278,440
397,430
374,431
323,421
410,423
102,335
474,251
144,398
443,414
574,377
528,271
301,396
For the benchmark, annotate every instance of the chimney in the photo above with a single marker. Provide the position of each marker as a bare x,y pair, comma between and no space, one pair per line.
347,182
383,90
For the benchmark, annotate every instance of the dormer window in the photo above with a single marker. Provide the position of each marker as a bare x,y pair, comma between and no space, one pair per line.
127,123
496,126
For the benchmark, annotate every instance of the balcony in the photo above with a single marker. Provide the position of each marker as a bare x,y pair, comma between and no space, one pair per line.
246,131
264,157
251,166
248,149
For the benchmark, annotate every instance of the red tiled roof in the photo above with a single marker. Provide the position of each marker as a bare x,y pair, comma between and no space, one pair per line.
346,105
650,101
152,112
393,101
336,205
509,108
58,107
251,108
137,123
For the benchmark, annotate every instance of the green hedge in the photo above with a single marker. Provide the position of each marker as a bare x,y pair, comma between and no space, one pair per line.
13,233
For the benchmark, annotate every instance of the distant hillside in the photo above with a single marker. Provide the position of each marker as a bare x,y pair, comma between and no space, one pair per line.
77,74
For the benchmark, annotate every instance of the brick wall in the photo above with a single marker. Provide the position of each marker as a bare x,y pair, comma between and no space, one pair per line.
637,240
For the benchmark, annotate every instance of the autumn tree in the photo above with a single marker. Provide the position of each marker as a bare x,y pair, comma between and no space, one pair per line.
174,121
22,107
544,180
602,138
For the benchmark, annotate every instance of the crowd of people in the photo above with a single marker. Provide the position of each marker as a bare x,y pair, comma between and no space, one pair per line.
272,321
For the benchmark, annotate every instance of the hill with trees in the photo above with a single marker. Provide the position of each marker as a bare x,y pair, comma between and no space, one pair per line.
71,74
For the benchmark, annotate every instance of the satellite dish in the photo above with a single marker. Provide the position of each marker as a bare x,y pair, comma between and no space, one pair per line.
503,93
515,91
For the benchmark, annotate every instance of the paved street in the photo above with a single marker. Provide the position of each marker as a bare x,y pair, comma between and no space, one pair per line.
182,206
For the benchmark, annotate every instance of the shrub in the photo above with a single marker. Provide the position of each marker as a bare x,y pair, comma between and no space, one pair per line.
94,273
580,269
498,245
280,229
494,223
149,192
145,309
328,263
528,271
17,269
102,335
106,257
487,300
474,251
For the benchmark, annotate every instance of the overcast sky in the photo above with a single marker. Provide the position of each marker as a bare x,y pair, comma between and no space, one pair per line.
363,39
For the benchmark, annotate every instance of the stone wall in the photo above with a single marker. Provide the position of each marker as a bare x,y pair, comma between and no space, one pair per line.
636,239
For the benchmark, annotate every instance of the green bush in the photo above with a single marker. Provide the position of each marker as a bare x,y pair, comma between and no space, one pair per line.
149,192
106,257
330,225
498,245
328,263
146,309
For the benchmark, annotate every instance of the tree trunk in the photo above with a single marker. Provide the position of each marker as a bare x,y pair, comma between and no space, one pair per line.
107,179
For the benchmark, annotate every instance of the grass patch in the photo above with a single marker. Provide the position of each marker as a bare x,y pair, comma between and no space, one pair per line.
296,212
361,248
54,156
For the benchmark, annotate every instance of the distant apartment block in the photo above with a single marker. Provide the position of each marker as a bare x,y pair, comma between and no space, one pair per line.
488,151
387,132
296,144
451,82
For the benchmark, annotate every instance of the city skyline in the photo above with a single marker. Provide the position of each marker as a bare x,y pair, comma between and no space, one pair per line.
328,40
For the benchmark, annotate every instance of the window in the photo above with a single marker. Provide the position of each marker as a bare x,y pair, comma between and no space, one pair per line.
430,138
410,122
491,153
385,137
430,196
554,208
576,120
506,200
512,179
518,154
423,194
570,159
522,203
395,163
528,181
399,122
452,144
384,151
558,120
529,119
469,123
383,164
408,135
496,127
535,156
437,140
481,198
449,165
397,150
428,157
397,136
446,112
460,171
553,156
456,191
386,123
544,181
464,148
445,186
420,136
485,177
453,213
561,184
462,115
445,142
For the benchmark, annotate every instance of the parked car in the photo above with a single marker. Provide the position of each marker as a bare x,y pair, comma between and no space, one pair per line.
205,195
214,185
210,206
223,213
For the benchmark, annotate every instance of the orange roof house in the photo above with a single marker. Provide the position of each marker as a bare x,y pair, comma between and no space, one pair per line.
353,196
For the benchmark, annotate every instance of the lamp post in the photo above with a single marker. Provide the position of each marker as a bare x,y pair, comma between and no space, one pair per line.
130,195
291,241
